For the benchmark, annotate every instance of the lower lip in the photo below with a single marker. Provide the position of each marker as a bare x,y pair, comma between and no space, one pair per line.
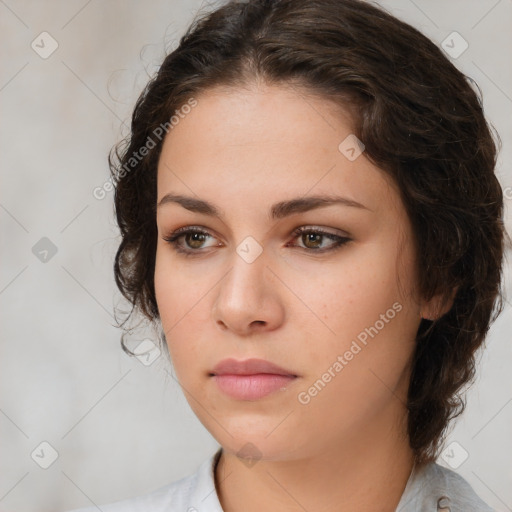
251,387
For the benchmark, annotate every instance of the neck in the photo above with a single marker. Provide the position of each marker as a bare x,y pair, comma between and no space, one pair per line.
368,472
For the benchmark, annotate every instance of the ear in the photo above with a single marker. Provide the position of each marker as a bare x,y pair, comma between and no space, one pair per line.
438,305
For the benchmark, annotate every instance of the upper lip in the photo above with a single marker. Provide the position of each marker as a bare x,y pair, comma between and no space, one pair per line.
248,367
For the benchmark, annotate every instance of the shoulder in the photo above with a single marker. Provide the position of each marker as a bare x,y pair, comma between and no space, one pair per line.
460,494
173,495
436,488
183,495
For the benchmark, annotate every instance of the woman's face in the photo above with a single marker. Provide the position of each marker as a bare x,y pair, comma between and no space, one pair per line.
335,306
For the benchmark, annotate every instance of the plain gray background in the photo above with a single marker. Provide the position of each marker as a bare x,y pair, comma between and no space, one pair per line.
122,428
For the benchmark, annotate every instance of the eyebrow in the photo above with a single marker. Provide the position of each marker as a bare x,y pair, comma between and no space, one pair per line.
277,211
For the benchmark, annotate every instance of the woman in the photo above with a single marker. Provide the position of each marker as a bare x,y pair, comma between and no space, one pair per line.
309,210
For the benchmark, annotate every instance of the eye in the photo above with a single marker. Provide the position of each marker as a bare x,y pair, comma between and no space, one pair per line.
312,237
190,240
194,238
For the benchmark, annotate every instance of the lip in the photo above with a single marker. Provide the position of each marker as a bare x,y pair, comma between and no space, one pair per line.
250,379
252,387
249,367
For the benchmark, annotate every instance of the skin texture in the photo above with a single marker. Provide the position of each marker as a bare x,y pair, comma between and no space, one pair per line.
244,150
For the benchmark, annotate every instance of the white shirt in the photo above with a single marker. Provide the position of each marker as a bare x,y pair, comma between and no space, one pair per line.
433,488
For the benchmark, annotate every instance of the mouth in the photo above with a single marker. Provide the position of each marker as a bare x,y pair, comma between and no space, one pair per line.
250,379
249,367
252,387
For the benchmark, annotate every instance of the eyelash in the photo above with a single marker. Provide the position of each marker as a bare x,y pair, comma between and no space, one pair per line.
175,236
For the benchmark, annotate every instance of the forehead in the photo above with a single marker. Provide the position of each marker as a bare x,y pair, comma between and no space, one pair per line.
267,142
262,114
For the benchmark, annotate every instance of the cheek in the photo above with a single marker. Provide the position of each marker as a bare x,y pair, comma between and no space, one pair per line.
179,297
374,349
363,299
354,295
180,286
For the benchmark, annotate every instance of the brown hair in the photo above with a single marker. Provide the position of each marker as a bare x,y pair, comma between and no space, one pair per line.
420,120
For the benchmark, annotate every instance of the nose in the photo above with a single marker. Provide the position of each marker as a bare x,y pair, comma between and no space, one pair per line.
248,299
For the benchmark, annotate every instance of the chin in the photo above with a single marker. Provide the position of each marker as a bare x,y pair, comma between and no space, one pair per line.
253,445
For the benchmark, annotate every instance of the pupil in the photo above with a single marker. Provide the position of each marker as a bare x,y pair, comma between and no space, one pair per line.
312,237
196,239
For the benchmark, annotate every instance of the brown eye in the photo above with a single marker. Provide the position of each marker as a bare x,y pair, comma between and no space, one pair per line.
189,241
312,240
194,240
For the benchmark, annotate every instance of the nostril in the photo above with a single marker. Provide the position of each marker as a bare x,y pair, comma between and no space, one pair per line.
221,324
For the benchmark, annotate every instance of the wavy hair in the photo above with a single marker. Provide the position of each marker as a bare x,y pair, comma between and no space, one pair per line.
421,121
